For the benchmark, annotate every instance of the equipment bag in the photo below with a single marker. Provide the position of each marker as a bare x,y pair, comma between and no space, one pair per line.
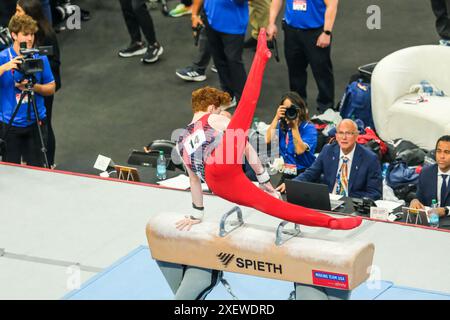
356,103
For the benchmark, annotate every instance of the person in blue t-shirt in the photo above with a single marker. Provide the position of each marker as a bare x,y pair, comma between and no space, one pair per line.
22,140
297,137
225,23
307,26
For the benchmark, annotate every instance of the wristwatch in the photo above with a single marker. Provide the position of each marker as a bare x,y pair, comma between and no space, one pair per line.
327,32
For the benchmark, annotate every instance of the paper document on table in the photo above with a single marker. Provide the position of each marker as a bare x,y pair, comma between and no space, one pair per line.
389,205
335,197
179,182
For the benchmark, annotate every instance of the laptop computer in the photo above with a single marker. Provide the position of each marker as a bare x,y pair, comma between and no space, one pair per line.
310,195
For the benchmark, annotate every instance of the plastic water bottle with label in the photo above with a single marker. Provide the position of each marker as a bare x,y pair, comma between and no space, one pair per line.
161,166
433,215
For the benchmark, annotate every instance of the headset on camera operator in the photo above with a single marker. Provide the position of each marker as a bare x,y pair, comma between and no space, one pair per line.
297,136
22,140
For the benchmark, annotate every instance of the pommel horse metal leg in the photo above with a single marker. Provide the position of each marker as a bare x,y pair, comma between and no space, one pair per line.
239,222
290,232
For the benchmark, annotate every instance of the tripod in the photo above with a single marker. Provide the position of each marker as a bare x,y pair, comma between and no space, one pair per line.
29,94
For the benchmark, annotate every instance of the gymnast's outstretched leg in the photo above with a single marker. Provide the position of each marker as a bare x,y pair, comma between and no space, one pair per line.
228,181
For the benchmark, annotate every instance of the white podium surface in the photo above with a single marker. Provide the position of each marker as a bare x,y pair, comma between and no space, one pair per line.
57,228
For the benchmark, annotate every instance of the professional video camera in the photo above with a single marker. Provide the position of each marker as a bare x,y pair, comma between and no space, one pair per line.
292,112
30,65
5,38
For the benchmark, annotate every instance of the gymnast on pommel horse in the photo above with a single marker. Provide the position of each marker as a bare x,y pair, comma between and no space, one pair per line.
212,152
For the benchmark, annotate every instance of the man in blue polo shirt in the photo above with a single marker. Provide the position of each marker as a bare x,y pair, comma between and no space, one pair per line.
307,29
226,23
23,142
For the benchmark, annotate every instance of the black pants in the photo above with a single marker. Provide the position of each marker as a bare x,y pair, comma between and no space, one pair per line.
300,51
441,9
226,50
187,3
24,143
137,17
204,54
51,141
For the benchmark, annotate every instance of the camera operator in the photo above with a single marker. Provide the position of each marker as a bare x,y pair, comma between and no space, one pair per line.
45,36
23,138
297,136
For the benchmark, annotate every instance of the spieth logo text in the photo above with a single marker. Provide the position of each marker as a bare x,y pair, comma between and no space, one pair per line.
249,264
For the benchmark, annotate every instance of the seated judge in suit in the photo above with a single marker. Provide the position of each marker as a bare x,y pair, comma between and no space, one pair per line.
434,180
346,167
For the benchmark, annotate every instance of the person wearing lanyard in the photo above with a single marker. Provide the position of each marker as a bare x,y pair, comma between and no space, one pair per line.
22,140
307,26
297,137
434,180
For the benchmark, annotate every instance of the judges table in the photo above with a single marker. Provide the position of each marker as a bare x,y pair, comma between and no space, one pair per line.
148,175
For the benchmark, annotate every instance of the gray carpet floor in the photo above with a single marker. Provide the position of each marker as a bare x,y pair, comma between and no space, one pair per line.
110,105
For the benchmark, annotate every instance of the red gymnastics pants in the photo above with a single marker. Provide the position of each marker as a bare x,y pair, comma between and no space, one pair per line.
228,180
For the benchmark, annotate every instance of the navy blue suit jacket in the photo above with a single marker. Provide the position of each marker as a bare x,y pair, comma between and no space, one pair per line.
365,176
427,187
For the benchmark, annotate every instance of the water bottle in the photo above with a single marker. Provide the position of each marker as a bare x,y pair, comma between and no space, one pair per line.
385,168
161,166
433,215
255,124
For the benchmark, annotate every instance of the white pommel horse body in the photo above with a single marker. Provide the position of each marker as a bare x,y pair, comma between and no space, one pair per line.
260,251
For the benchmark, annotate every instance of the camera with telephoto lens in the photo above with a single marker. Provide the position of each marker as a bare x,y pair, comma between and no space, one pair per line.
31,65
292,112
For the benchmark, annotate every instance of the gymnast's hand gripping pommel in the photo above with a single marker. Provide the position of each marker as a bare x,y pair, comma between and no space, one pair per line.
228,181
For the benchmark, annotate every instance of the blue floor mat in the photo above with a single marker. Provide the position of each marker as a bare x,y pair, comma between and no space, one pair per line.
403,293
134,277
137,277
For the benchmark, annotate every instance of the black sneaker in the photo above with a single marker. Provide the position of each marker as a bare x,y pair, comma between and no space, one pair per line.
191,74
134,49
153,53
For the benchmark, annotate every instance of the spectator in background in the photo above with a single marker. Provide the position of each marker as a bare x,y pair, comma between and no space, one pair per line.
197,71
47,10
7,8
297,137
259,18
183,8
45,36
226,23
347,168
441,9
307,30
138,18
434,180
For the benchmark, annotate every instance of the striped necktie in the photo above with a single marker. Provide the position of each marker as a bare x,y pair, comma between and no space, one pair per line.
342,179
443,188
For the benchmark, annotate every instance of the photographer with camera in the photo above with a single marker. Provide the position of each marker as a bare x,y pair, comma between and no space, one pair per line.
297,136
23,69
